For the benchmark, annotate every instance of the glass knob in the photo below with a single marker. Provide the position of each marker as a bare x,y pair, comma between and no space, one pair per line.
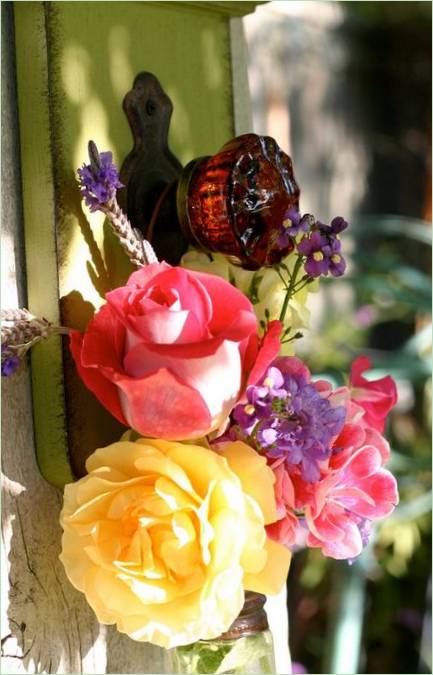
235,201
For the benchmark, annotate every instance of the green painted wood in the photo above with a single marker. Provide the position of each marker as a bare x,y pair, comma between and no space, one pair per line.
233,8
76,60
40,241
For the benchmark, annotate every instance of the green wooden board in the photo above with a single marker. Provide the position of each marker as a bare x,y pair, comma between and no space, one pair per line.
75,62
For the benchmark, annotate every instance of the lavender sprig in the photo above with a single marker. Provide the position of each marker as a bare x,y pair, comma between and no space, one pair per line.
99,182
21,330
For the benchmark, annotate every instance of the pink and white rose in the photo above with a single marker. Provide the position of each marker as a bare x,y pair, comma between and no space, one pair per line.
171,352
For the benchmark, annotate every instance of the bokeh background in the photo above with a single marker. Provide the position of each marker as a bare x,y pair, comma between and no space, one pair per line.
345,88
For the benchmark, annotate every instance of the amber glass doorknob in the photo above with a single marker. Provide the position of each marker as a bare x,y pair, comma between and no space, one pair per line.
233,202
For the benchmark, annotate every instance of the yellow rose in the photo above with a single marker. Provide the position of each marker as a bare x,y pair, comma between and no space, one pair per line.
164,537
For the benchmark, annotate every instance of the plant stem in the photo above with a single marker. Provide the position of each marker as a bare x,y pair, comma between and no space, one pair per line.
299,288
139,250
285,281
290,288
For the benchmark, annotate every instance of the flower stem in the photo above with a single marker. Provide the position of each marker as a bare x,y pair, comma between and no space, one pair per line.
290,288
302,285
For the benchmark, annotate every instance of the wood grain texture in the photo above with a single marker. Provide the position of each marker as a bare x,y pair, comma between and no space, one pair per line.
46,625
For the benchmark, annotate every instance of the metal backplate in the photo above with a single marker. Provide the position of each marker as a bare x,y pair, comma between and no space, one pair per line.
150,171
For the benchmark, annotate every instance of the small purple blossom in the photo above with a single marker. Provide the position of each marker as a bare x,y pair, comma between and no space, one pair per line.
9,365
322,249
99,180
286,417
292,224
337,264
337,226
316,250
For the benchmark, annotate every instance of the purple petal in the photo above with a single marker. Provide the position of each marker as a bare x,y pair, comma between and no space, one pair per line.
315,268
338,224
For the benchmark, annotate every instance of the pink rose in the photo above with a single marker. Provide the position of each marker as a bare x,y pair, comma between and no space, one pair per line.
172,351
376,397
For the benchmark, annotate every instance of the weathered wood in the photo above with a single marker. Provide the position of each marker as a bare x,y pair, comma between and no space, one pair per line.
47,626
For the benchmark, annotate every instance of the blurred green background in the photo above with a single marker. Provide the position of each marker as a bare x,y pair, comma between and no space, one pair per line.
345,88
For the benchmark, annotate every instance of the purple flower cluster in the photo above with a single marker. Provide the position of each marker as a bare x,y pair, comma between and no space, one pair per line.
322,249
287,418
99,181
320,244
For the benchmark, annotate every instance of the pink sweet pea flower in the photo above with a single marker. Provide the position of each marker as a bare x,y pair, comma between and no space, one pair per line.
171,352
346,501
285,529
376,397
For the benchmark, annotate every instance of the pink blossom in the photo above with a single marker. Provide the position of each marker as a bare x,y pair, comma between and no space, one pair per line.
376,397
284,530
347,499
335,511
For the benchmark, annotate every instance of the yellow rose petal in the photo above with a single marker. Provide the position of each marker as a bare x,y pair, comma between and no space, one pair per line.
173,495
274,574
256,477
120,456
200,465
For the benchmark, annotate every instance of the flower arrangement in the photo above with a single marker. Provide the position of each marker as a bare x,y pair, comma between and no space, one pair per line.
235,456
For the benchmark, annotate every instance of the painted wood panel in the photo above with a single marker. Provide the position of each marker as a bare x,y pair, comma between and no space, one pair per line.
75,63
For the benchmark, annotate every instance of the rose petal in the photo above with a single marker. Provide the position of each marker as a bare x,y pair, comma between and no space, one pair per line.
216,377
271,578
185,412
256,477
268,350
145,275
105,391
227,304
